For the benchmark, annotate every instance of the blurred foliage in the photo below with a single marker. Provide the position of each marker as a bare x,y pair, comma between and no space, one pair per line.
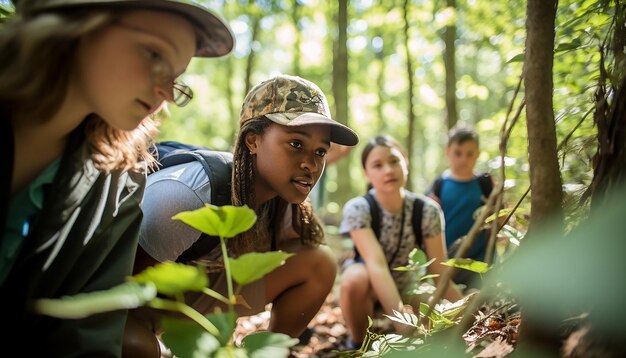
490,36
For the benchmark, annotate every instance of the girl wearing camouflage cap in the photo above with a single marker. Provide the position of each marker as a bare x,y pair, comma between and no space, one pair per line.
79,81
285,131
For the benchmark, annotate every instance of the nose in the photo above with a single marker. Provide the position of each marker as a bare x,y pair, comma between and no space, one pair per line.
310,163
164,92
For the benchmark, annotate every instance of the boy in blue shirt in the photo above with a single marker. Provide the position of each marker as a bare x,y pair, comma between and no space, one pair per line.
460,191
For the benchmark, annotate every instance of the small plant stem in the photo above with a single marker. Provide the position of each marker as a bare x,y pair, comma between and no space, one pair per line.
187,311
216,295
229,279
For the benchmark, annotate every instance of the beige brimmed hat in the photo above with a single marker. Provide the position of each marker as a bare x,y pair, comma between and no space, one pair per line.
215,39
293,101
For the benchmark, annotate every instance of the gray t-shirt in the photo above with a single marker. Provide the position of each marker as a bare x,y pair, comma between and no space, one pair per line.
183,187
356,215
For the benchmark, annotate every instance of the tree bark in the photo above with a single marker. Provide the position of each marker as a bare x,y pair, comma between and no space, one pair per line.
449,36
411,95
297,56
545,176
340,92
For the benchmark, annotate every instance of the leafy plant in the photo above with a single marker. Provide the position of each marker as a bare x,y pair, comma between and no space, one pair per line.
163,285
423,324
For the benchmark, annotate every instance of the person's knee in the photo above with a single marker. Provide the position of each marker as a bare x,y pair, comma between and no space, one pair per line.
353,283
326,263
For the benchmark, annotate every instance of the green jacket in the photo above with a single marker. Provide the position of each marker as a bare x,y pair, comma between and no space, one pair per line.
84,240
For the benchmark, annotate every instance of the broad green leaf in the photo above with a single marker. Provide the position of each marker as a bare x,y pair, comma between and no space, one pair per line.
568,46
171,278
188,339
517,58
268,344
416,255
125,296
225,323
252,266
223,221
468,264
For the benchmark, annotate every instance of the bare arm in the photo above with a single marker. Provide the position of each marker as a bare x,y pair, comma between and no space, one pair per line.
378,270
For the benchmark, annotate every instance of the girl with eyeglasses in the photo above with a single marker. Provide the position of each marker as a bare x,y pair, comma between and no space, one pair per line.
79,83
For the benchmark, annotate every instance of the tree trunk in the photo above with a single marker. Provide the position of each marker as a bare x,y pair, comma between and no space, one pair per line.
256,20
449,36
545,176
410,111
340,92
297,56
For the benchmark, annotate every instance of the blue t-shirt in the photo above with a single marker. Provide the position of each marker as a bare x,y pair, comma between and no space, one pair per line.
459,201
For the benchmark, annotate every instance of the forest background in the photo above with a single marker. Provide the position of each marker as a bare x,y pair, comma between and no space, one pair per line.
411,69
542,81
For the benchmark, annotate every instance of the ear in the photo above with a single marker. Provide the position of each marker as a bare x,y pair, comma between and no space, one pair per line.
252,142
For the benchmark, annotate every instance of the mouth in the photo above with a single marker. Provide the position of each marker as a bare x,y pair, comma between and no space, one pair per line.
303,185
148,107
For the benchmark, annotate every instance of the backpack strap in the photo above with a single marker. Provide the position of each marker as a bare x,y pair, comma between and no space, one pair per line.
486,184
436,187
218,166
374,212
416,222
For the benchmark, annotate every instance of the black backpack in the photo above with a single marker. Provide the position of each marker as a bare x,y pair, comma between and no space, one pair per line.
484,180
416,220
218,166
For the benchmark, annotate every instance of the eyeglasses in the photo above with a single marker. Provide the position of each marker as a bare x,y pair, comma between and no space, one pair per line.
161,72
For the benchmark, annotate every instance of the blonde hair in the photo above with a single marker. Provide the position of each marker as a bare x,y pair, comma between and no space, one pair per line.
37,55
271,213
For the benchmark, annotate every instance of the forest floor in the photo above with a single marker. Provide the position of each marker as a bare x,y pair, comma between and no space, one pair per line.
492,334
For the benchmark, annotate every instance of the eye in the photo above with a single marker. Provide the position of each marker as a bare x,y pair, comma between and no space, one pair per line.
321,152
296,144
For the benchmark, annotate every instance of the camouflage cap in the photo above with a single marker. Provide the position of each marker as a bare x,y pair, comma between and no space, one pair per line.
214,38
293,101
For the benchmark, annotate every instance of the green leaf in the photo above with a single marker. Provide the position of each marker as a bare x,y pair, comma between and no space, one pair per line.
188,339
252,266
268,344
417,256
223,221
225,323
125,296
568,46
171,278
517,58
468,264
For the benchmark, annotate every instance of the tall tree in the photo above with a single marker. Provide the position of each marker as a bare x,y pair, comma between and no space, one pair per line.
449,36
411,95
545,176
255,15
297,56
340,93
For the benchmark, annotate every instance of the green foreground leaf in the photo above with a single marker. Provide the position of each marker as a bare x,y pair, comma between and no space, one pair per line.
252,266
224,221
172,278
125,296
